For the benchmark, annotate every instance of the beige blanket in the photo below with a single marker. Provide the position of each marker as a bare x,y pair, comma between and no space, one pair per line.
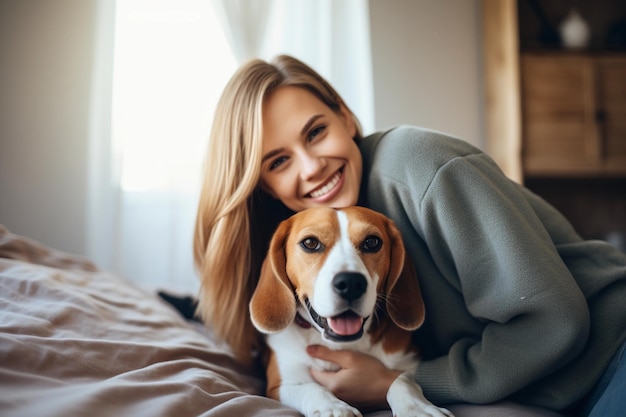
78,341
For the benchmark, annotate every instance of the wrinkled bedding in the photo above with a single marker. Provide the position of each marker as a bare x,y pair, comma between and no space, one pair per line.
79,341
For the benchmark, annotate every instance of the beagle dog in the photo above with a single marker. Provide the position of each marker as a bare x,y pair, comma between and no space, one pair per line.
339,278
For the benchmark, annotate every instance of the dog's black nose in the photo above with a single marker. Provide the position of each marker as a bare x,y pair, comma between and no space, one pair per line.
349,285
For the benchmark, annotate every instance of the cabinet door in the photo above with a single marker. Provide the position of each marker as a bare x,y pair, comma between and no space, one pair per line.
560,135
612,112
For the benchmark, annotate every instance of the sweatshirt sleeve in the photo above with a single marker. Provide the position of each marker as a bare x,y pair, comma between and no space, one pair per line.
487,242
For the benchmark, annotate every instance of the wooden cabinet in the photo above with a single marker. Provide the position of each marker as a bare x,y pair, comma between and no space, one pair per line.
557,113
573,114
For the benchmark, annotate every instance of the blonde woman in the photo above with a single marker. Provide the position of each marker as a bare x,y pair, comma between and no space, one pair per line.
520,309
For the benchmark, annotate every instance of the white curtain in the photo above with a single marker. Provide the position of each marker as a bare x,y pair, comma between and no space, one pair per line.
160,67
103,192
332,36
244,23
168,62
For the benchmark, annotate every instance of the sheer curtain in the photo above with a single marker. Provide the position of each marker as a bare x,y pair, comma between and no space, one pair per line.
331,36
169,61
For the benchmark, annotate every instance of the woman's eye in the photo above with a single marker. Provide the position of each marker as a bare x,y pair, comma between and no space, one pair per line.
371,244
311,244
277,162
316,131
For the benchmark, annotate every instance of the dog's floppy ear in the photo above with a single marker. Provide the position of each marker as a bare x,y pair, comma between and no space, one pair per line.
405,305
273,304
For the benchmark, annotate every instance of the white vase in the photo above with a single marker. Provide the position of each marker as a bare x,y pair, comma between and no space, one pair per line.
574,31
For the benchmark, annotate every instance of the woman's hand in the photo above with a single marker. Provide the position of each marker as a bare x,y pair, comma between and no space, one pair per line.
362,381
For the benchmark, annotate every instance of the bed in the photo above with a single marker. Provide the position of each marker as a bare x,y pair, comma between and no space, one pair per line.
76,340
79,341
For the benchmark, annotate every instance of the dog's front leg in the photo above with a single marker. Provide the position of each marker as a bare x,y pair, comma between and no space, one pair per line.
291,383
406,399
311,399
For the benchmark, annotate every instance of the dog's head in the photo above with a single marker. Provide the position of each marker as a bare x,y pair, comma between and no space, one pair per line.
335,266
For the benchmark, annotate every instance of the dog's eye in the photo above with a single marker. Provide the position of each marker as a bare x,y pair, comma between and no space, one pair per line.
371,244
311,244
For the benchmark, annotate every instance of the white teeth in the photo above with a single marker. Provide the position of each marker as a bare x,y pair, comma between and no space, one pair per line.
326,188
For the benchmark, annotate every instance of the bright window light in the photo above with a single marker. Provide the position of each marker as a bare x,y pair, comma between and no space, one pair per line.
171,63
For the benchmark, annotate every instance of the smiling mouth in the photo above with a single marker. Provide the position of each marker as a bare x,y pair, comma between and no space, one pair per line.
326,188
344,327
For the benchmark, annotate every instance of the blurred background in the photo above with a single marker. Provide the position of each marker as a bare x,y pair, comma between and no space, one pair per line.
105,105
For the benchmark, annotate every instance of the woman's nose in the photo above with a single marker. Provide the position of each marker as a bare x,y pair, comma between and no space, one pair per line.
311,165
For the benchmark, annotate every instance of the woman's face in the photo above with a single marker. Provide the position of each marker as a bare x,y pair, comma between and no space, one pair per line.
310,157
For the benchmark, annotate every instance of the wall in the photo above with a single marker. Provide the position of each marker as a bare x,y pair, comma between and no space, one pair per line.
427,65
45,70
426,68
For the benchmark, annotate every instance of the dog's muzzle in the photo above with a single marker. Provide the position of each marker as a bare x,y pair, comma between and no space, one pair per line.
347,326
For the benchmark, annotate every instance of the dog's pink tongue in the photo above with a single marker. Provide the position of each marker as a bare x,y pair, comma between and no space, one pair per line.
346,324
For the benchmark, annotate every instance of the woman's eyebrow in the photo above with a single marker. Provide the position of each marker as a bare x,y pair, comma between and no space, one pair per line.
271,154
309,122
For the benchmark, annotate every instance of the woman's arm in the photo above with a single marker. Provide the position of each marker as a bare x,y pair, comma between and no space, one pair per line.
476,231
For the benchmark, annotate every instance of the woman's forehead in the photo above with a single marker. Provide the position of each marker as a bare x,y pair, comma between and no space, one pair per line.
291,111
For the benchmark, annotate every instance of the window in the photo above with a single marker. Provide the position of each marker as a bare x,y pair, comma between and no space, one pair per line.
171,62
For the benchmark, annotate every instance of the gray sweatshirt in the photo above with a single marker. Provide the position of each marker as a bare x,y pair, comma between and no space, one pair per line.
518,306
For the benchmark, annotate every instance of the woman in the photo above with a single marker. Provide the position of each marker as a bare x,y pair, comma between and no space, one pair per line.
519,308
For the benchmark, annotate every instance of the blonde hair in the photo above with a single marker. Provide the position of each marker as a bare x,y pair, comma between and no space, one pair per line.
235,217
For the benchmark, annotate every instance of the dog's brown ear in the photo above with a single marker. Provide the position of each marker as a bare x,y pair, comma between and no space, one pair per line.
273,304
404,297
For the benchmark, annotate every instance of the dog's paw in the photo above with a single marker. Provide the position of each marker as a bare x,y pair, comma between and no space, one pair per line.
407,400
313,400
331,408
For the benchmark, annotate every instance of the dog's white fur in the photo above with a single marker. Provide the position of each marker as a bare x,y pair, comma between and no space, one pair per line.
292,275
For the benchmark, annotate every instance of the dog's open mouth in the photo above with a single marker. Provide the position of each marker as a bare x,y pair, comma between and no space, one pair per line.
345,327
